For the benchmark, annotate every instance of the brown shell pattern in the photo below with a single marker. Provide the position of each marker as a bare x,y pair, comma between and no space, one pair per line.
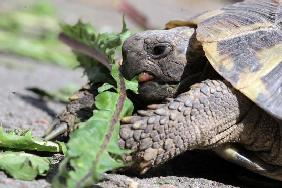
243,42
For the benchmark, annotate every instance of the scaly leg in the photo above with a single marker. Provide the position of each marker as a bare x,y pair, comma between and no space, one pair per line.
210,115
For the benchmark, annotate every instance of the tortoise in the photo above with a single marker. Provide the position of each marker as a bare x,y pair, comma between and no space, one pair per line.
222,72
233,101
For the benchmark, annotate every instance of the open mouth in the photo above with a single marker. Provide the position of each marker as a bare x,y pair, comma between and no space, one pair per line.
145,77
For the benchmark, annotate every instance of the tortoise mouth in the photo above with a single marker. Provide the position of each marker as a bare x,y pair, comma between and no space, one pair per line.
152,89
145,77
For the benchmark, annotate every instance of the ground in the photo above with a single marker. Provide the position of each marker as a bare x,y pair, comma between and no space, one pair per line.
22,109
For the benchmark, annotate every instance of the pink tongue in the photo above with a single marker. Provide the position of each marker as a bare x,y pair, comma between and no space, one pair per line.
144,77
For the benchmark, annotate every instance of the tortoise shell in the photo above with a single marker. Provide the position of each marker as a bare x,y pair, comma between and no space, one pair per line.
243,43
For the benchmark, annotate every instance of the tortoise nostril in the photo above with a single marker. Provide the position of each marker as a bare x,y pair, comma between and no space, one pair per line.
159,49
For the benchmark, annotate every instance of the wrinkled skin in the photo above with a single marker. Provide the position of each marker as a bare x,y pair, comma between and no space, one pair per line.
163,55
206,112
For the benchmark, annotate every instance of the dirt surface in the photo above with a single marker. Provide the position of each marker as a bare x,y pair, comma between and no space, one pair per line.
19,107
22,109
117,181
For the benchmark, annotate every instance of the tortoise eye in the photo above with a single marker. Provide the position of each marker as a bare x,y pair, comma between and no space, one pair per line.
161,50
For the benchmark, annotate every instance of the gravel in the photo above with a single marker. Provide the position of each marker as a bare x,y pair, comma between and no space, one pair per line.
20,109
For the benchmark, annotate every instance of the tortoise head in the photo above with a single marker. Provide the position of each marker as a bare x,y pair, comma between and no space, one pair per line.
158,58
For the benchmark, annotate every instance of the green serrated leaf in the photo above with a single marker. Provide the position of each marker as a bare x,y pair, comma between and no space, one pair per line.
84,155
27,142
106,101
107,43
115,73
23,166
129,84
85,143
105,87
132,85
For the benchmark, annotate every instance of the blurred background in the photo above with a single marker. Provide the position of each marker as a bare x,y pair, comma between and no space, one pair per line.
31,56
29,27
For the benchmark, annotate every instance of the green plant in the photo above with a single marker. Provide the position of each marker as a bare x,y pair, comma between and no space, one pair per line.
93,149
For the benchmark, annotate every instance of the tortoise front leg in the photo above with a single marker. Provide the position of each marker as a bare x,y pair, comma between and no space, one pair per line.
202,118
79,109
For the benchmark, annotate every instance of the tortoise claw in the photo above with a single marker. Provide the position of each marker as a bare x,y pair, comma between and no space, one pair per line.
144,112
126,120
130,119
52,126
58,129
168,99
155,106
